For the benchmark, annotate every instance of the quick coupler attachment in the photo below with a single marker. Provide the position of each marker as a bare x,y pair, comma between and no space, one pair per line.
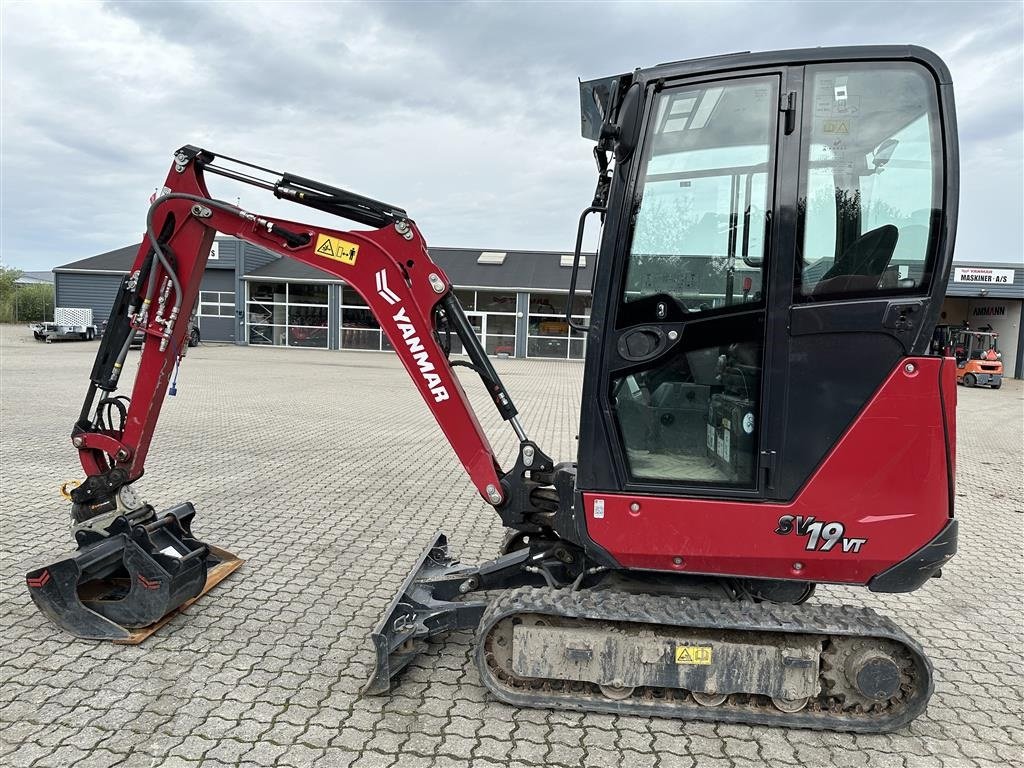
425,606
116,584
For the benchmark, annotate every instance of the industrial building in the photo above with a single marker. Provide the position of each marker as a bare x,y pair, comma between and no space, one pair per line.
989,296
515,300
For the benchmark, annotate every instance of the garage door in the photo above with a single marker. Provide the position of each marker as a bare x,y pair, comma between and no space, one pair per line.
216,316
216,310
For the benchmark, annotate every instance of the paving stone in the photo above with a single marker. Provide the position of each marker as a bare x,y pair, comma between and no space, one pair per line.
170,762
228,751
529,752
375,760
193,748
61,756
561,754
636,741
493,749
633,759
423,743
457,746
682,745
265,753
300,756
326,472
99,758
601,756
387,742
336,758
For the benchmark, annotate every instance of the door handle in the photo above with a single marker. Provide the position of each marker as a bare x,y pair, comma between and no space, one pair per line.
576,266
903,316
638,345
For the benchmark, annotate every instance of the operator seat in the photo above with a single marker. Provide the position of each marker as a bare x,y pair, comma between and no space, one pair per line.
861,265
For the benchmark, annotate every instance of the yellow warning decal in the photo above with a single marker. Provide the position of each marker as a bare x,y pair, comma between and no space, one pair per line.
337,249
693,654
837,126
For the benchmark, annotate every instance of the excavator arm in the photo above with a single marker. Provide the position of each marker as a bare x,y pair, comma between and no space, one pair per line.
388,266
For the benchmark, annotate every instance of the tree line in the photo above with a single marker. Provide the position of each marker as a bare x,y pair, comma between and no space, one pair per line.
23,303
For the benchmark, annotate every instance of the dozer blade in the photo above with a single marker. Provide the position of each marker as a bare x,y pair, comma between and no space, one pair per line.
423,608
123,586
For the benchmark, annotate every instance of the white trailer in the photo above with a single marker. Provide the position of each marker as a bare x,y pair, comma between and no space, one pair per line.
68,323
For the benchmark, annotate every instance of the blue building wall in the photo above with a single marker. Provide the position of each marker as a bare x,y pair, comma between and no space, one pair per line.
92,290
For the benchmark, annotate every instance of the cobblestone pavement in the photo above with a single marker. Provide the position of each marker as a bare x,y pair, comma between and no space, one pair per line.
326,472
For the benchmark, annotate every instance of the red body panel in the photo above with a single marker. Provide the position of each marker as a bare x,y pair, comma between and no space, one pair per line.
887,481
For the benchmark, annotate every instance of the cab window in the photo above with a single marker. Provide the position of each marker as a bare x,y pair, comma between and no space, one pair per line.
872,186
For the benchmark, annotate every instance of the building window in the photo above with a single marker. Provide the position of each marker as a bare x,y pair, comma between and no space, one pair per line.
466,298
216,304
496,311
493,317
359,329
292,315
548,332
491,313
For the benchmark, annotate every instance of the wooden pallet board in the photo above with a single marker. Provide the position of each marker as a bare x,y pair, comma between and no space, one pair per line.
228,564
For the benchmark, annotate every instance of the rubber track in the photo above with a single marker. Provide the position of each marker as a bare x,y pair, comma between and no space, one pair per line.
613,606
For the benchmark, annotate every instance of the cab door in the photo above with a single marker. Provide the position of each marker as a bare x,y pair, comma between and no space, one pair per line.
678,397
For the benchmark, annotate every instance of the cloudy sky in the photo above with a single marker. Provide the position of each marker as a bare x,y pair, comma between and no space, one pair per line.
464,114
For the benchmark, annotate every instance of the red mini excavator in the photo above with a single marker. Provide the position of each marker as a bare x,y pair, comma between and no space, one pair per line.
760,411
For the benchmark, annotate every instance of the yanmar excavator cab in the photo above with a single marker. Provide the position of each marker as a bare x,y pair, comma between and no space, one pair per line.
760,414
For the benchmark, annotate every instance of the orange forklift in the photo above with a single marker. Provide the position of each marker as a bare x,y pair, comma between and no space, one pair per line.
978,359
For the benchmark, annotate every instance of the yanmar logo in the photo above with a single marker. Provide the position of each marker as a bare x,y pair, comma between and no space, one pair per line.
412,340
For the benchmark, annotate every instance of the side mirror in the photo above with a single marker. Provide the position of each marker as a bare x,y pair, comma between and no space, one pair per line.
627,124
883,152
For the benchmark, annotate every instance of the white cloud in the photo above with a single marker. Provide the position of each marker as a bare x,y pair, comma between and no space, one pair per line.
463,113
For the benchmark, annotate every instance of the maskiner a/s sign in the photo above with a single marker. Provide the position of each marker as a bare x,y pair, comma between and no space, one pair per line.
982,275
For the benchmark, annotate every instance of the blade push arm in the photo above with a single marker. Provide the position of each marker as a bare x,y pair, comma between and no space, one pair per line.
389,267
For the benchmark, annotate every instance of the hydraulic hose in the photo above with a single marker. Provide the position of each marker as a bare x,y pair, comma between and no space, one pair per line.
158,254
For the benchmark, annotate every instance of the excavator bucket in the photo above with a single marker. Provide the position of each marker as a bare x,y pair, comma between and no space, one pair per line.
125,585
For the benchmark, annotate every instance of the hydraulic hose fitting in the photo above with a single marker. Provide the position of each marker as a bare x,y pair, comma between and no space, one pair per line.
168,330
